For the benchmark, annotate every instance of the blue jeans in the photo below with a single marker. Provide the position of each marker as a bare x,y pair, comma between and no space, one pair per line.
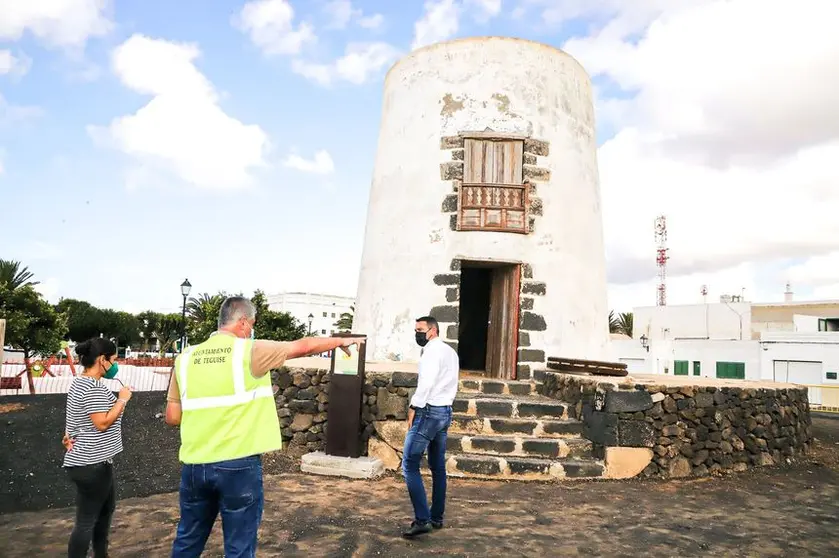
233,488
428,432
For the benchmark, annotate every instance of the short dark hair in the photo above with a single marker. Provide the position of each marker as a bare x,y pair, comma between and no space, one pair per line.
92,349
431,321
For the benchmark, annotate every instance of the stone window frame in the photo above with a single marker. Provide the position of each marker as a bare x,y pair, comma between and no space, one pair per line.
534,173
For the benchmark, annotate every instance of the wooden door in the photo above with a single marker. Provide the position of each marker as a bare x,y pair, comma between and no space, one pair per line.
503,334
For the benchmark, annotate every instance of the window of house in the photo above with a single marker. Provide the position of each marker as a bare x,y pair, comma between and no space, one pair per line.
323,332
333,314
324,314
680,368
697,368
829,324
492,196
731,370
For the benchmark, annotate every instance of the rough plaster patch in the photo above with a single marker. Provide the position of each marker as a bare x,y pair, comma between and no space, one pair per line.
450,105
503,103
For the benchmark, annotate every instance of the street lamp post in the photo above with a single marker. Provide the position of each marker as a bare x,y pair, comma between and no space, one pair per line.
311,317
185,288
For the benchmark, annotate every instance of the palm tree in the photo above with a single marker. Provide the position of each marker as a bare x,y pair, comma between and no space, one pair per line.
202,308
625,322
344,322
614,325
14,277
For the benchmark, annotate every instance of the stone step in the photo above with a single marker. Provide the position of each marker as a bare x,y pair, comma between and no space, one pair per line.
479,405
497,387
521,468
540,428
522,446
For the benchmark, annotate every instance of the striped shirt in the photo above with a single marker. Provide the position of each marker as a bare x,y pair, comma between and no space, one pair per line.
87,396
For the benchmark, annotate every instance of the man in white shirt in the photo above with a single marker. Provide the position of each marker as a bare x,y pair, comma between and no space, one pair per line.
429,418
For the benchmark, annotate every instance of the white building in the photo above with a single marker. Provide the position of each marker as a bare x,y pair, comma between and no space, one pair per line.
485,209
785,341
325,310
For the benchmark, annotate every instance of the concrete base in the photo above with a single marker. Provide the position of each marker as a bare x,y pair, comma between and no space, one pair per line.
319,463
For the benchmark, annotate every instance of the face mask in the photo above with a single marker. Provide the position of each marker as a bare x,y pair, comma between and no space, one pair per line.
422,340
111,372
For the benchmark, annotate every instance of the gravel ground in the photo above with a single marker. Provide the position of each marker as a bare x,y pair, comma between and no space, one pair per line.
788,511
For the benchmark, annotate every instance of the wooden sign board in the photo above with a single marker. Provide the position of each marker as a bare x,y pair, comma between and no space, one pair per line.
346,392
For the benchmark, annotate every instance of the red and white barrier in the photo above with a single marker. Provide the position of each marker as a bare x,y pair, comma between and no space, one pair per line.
136,377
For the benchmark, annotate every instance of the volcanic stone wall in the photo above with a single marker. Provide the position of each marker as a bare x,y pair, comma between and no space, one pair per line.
693,430
303,399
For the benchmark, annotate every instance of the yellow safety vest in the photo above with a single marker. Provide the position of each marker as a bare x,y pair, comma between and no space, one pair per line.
226,412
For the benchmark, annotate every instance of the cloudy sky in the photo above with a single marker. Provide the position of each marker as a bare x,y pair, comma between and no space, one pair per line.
232,142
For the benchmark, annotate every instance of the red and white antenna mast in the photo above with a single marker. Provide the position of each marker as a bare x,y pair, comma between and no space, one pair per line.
661,258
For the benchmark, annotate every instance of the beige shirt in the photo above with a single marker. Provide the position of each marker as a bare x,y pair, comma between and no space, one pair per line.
265,356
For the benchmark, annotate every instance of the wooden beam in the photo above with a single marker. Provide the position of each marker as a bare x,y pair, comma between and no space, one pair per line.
490,135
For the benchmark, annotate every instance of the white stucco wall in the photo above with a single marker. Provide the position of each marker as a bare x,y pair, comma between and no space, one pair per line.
506,85
693,321
759,356
300,305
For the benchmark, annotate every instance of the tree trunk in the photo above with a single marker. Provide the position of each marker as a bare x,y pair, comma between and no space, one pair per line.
28,365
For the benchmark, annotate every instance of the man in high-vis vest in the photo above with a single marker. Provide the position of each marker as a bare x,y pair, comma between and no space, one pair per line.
221,396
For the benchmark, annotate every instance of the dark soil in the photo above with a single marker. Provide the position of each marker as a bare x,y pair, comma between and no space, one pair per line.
30,461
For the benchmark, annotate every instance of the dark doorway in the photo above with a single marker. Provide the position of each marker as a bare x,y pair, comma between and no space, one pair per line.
475,283
488,322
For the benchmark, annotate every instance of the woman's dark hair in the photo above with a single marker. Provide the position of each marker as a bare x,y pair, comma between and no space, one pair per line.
92,349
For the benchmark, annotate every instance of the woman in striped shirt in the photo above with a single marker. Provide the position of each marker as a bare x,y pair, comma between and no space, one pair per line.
93,437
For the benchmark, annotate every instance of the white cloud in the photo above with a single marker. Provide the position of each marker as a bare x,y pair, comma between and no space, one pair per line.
485,9
182,129
440,21
13,65
818,271
726,122
374,21
49,289
441,18
341,12
270,25
359,63
321,164
60,23
734,98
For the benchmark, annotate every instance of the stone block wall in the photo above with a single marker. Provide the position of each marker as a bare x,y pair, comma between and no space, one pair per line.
692,430
303,399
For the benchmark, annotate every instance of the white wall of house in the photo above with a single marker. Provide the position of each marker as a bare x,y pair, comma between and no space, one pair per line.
694,321
325,309
804,323
799,357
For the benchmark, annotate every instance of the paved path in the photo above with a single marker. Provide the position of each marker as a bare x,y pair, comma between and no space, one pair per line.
791,511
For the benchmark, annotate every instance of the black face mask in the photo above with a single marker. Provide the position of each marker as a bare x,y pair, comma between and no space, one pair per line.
422,340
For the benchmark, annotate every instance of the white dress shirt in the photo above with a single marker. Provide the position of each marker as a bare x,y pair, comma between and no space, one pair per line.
439,372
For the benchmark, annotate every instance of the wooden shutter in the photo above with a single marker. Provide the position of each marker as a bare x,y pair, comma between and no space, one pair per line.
492,196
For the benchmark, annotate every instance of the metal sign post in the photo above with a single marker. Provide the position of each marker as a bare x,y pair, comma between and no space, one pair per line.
346,392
